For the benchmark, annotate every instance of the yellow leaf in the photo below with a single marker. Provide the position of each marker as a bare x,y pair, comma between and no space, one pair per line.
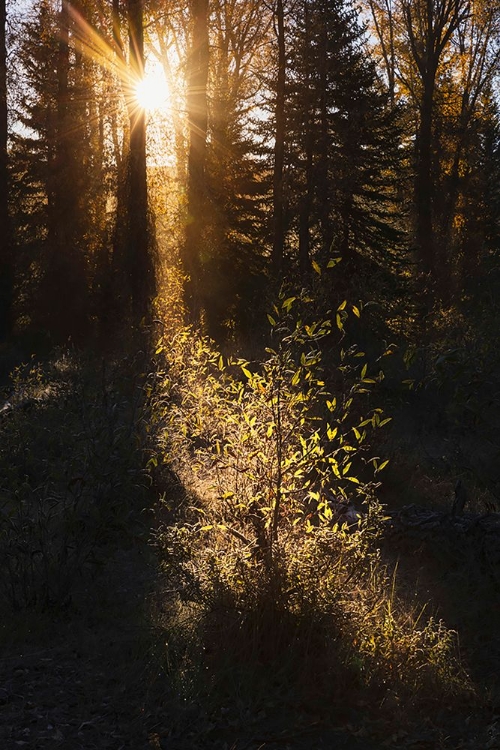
316,267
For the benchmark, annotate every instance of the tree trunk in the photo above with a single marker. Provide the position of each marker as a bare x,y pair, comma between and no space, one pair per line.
133,277
197,107
322,169
64,313
6,272
139,265
424,181
306,198
279,148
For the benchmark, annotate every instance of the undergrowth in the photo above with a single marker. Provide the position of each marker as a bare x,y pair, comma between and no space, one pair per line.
273,541
71,475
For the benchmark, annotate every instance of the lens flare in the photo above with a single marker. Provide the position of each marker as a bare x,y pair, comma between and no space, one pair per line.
151,91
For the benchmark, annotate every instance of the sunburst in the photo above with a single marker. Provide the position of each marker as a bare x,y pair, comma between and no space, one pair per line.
152,92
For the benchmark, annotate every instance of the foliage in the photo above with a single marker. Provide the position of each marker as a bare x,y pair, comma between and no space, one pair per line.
269,542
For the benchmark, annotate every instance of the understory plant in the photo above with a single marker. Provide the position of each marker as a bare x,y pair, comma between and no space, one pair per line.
276,537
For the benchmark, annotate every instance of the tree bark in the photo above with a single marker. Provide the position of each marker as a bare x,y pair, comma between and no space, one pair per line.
424,181
279,147
197,106
306,198
6,271
64,313
133,272
139,265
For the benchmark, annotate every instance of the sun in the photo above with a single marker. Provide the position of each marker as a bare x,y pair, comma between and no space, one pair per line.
152,92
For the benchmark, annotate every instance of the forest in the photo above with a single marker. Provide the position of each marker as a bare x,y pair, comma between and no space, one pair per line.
249,374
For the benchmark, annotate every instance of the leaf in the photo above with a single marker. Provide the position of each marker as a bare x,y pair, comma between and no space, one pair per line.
342,306
356,311
364,371
316,267
246,372
271,320
287,304
333,262
382,465
331,433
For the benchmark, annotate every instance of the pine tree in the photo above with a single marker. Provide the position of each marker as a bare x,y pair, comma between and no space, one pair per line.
50,159
343,155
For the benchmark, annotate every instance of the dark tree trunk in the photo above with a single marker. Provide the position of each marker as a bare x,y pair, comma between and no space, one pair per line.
133,271
64,286
6,271
197,107
139,264
424,181
279,147
306,198
322,170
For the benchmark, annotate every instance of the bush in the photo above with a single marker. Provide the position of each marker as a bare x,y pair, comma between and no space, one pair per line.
276,538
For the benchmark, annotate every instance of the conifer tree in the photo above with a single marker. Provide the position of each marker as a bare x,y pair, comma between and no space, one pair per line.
343,154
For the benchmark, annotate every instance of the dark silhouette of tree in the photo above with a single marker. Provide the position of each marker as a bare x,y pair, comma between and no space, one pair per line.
343,156
279,143
429,28
45,179
233,259
133,253
6,270
197,116
440,57
140,258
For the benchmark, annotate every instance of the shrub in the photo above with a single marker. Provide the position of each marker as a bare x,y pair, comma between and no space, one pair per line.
262,544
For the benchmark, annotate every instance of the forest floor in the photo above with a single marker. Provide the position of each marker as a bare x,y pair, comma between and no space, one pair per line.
94,679
92,671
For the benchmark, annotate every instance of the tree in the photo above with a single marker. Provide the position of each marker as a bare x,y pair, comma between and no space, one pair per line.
441,58
197,114
279,143
45,177
140,268
6,271
343,136
429,27
133,251
233,254
63,170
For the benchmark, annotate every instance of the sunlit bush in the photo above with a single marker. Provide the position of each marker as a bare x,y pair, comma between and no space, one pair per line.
277,535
